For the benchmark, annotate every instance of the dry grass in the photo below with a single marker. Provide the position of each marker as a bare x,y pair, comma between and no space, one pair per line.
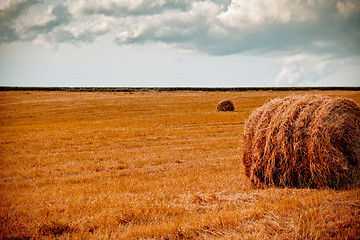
148,165
303,141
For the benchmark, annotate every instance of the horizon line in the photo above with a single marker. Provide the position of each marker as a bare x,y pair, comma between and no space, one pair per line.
137,89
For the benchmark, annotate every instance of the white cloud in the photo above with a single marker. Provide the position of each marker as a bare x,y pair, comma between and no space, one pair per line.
307,69
41,25
86,31
57,25
251,26
40,20
310,36
173,28
124,7
217,28
10,10
348,7
240,12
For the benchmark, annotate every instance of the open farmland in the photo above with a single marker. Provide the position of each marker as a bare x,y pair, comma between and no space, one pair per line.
161,165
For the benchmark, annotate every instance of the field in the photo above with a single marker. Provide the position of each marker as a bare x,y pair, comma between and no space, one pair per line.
149,165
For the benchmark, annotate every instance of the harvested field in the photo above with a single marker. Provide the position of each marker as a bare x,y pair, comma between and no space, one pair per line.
161,165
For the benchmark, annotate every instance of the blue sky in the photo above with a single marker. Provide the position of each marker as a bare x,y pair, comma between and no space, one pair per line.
230,43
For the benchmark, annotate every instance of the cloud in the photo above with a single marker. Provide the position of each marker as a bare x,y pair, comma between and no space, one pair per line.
259,12
256,26
304,68
57,25
307,69
9,11
124,7
45,23
213,27
86,31
181,28
310,36
348,7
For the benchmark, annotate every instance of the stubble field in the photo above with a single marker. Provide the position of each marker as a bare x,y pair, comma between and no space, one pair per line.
149,165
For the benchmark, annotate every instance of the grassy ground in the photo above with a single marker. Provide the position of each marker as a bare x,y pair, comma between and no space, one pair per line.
161,165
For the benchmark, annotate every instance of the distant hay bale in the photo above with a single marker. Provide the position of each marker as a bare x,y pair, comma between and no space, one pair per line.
303,141
225,105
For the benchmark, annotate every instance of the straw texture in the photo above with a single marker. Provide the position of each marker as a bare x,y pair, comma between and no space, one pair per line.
225,105
303,141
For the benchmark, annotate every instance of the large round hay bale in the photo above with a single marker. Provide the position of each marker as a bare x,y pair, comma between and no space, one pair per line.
304,142
225,105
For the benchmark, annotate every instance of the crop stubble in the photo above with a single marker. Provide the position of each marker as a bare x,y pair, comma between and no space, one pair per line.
148,165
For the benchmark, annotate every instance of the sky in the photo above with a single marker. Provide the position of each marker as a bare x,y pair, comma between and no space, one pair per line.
179,43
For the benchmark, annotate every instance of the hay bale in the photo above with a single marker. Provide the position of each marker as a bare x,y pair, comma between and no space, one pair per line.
304,142
225,105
